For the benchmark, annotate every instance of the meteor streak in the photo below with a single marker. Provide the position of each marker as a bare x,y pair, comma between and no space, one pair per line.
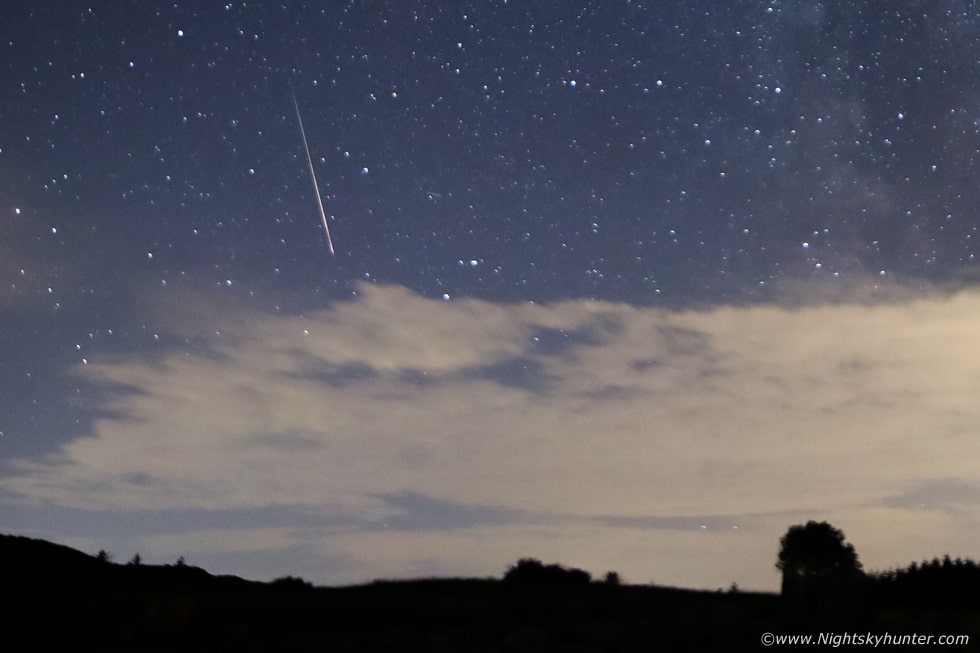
309,160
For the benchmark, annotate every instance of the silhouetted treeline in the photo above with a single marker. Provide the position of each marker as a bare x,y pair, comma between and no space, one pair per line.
935,583
821,569
825,587
53,597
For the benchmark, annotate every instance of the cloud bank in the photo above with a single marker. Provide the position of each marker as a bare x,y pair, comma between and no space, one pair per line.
411,436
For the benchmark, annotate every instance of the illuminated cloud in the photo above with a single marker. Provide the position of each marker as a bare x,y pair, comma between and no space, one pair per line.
453,437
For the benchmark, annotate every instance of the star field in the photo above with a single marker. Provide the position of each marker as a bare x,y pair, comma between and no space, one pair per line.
624,152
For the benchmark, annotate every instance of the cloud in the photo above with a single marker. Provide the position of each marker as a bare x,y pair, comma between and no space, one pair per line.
417,512
476,430
948,494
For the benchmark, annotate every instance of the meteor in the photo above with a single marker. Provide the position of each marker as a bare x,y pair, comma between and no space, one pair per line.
309,160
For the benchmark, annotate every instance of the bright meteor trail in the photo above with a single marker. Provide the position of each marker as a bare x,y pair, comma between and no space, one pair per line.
309,160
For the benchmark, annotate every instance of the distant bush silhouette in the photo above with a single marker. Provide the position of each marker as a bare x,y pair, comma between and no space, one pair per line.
103,556
612,578
136,560
291,582
530,571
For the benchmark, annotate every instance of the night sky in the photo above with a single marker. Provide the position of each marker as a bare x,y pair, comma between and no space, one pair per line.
622,285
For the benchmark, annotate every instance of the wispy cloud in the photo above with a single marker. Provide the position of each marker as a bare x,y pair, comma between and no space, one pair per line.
545,428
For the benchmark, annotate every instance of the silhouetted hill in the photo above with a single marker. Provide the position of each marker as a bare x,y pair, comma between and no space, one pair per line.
56,598
40,556
31,563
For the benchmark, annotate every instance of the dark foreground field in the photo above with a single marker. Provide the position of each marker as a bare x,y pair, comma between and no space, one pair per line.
56,598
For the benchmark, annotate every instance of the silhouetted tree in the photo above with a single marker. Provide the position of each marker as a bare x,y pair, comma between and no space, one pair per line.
103,556
136,560
181,562
815,551
823,581
612,578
